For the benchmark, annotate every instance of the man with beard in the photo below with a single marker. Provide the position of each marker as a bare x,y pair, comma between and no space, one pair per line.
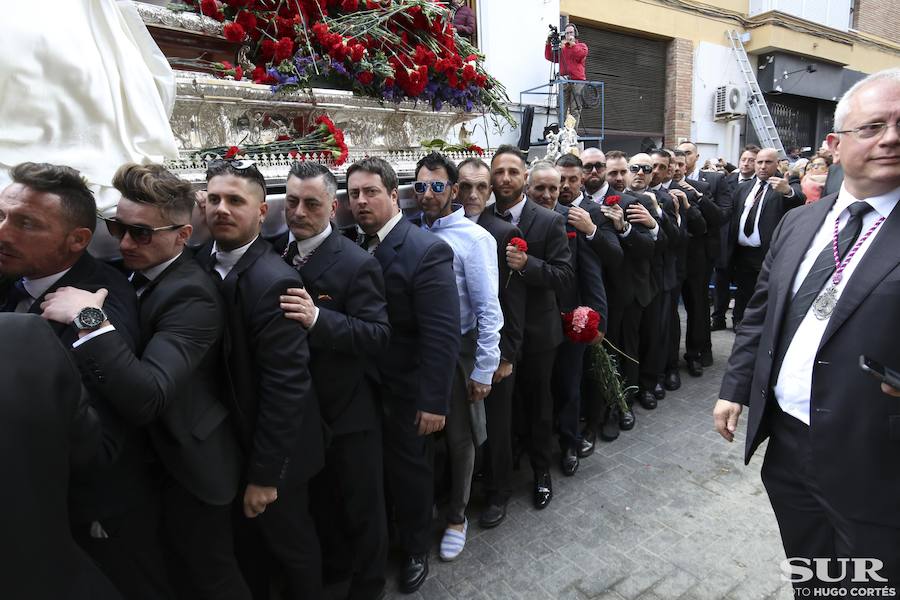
593,163
473,194
546,269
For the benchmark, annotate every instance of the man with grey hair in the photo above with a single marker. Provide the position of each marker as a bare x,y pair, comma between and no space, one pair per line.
826,295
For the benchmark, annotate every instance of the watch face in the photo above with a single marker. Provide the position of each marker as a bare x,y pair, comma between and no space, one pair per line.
91,317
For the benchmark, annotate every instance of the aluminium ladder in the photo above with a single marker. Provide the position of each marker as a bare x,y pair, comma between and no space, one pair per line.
757,109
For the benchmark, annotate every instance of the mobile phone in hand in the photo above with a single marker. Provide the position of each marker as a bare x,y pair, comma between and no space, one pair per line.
879,371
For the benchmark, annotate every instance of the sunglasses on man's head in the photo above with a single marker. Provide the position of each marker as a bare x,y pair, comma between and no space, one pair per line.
140,234
588,167
236,163
645,168
437,187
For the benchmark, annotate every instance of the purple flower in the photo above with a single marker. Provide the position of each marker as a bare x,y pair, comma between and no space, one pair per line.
438,104
469,106
339,68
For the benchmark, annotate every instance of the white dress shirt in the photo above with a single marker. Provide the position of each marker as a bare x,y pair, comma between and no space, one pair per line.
304,249
383,232
226,259
577,202
515,210
598,195
794,385
754,240
37,288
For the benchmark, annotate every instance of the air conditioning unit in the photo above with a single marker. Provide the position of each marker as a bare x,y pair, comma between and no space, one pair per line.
731,102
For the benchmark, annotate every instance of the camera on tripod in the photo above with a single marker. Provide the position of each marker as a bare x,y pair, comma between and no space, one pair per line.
555,37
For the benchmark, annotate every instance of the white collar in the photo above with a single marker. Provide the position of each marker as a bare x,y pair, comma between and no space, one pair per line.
515,210
38,287
599,194
882,204
454,218
577,200
309,245
153,272
226,259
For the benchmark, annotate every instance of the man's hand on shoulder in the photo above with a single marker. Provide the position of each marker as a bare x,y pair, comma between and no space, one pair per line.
725,418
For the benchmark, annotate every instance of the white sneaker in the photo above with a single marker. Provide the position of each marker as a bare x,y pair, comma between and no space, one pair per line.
453,542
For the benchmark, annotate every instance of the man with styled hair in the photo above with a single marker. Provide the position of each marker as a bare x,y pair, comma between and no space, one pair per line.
171,385
343,310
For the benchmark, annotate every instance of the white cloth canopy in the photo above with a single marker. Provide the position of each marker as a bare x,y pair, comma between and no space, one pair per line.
83,85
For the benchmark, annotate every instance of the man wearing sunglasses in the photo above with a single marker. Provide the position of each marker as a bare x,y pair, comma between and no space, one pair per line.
172,386
476,271
270,395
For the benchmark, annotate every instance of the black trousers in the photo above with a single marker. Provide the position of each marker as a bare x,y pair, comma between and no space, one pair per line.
674,342
408,472
810,525
534,407
128,549
722,296
630,341
695,294
279,547
498,448
347,501
567,371
202,562
654,340
745,270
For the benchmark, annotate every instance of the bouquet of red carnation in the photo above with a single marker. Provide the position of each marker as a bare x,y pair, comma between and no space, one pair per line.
611,200
520,245
581,324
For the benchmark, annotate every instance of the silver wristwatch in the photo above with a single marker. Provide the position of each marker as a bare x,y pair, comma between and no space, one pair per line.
89,318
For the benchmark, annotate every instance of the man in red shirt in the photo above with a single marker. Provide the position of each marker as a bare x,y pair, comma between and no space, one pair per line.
571,58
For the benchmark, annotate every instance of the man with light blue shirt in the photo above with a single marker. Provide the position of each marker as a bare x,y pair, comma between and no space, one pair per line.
476,270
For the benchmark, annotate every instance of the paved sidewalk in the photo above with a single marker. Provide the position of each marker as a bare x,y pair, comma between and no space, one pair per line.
666,511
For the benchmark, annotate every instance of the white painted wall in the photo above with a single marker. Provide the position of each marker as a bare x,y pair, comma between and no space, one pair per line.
714,66
831,13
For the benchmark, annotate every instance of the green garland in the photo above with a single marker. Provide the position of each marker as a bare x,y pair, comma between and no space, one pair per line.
604,371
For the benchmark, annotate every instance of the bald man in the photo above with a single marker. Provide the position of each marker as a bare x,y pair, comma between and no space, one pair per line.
759,205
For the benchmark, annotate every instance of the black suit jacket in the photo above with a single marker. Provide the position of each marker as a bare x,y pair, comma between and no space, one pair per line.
671,241
605,241
548,271
423,310
269,387
721,192
854,427
512,287
834,180
46,425
172,383
352,330
587,287
697,223
631,281
775,205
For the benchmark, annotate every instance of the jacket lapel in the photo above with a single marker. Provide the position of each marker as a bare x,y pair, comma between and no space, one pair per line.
880,259
323,257
386,251
527,216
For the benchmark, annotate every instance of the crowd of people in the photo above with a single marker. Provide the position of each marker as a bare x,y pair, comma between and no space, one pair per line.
260,414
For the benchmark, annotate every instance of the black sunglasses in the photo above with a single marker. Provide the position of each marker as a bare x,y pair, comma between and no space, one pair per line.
437,187
240,167
588,167
645,168
140,234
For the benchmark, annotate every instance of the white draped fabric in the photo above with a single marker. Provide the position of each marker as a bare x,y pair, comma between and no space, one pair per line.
84,85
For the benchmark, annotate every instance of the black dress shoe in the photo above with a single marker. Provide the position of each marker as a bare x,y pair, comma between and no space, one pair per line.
673,381
413,573
658,392
609,431
647,400
626,420
717,325
586,446
695,369
492,516
568,462
706,359
543,490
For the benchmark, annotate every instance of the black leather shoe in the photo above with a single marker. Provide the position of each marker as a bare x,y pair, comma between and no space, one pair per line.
717,325
695,369
492,516
626,420
568,462
658,392
609,431
706,359
543,490
586,446
413,573
647,400
673,381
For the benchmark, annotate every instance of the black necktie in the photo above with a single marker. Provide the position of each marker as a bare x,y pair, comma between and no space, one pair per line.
366,240
290,253
138,281
16,294
815,280
507,217
750,223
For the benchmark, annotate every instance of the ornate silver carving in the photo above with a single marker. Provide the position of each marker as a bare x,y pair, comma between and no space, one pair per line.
189,21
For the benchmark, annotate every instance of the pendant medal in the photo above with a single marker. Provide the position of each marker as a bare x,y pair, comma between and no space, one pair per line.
825,303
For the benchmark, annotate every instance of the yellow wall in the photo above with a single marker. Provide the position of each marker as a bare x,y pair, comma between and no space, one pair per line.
646,18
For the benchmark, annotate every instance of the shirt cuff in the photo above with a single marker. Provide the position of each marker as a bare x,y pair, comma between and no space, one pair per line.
92,335
483,377
626,231
655,231
590,238
315,318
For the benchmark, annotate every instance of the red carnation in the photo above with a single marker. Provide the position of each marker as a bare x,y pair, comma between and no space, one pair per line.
611,200
476,149
520,244
232,152
581,325
266,49
210,8
350,5
248,21
238,73
234,32
571,235
365,77
284,49
357,52
282,138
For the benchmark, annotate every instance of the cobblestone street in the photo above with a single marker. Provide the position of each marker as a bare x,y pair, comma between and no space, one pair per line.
666,511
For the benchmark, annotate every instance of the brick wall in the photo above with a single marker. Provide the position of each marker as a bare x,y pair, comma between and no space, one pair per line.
879,17
679,86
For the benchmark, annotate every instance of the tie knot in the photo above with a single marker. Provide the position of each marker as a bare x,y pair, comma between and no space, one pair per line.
138,280
858,209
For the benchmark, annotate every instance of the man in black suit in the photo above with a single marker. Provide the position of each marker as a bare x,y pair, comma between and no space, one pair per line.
474,191
46,426
759,206
722,297
546,270
585,290
416,371
172,383
342,306
831,463
49,216
270,392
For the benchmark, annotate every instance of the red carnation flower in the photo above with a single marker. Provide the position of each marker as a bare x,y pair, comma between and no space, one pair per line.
238,73
611,200
248,21
350,5
232,152
210,8
284,49
234,32
571,235
519,244
365,77
266,49
476,149
581,325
